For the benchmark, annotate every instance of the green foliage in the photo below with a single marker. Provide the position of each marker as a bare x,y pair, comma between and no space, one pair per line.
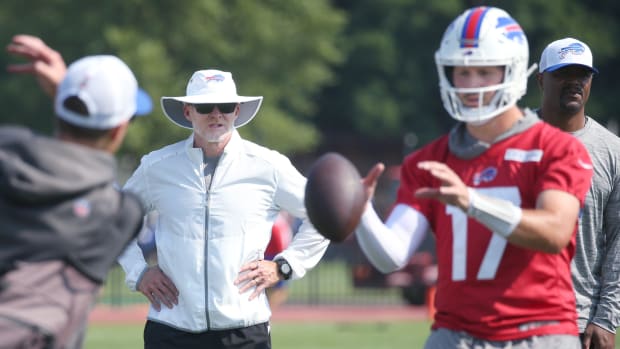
388,84
363,69
283,50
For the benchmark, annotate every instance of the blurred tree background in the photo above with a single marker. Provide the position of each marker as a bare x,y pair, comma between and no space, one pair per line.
355,76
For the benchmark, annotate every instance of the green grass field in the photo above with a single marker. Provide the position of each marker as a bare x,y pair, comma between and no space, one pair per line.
329,283
302,335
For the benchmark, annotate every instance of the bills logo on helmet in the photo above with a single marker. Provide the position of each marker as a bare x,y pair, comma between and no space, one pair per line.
512,29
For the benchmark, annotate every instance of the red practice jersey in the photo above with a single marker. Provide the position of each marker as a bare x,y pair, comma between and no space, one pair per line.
486,286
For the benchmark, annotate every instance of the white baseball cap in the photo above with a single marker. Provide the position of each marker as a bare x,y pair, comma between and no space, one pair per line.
107,88
211,86
567,51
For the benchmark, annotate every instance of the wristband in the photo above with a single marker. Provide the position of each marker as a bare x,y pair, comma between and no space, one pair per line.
501,216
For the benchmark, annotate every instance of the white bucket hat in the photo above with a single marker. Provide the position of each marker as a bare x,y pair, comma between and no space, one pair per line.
211,86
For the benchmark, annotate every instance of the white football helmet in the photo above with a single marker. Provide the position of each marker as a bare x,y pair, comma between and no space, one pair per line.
484,36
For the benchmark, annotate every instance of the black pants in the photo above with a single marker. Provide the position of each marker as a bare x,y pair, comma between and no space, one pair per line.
160,336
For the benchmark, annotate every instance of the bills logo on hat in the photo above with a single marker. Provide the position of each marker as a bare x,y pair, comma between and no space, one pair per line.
575,48
84,82
217,77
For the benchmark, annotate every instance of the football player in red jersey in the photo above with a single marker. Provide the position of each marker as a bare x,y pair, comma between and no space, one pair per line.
501,192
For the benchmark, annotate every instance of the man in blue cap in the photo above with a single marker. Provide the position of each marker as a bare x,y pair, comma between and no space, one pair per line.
565,79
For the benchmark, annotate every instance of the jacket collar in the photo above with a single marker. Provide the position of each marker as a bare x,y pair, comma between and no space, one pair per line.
233,147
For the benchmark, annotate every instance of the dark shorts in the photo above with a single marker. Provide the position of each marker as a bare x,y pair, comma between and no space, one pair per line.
160,336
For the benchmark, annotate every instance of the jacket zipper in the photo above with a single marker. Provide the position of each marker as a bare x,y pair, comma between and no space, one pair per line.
207,209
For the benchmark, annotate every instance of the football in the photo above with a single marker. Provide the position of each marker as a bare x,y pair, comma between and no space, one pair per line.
334,197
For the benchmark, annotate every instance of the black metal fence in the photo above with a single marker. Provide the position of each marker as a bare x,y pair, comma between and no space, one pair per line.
332,281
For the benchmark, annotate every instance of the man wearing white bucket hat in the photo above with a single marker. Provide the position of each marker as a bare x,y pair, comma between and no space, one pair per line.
217,196
565,78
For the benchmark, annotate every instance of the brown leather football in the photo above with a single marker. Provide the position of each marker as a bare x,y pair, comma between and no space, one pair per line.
335,197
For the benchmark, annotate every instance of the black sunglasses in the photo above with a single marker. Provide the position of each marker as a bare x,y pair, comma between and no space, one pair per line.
206,108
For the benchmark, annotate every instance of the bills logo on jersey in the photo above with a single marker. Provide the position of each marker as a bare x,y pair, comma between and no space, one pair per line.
486,175
512,29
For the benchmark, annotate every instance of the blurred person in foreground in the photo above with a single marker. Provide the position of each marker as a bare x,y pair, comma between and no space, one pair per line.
501,192
565,79
217,196
64,221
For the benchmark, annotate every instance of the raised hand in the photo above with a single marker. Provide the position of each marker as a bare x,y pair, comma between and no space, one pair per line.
45,63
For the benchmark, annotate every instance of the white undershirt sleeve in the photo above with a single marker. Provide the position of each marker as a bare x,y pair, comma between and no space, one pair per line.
390,246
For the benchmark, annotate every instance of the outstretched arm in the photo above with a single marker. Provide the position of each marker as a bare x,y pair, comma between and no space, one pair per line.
45,63
389,246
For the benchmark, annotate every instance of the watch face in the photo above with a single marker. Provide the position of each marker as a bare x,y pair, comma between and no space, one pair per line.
284,268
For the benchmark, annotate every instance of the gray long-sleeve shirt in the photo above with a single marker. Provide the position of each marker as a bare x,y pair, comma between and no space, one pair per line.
596,266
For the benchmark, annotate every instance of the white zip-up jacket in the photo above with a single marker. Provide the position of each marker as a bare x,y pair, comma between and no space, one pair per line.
203,255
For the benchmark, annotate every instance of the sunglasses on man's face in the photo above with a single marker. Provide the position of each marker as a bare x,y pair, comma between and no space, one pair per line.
207,108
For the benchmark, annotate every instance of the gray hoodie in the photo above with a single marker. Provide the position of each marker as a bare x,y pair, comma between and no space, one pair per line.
58,201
